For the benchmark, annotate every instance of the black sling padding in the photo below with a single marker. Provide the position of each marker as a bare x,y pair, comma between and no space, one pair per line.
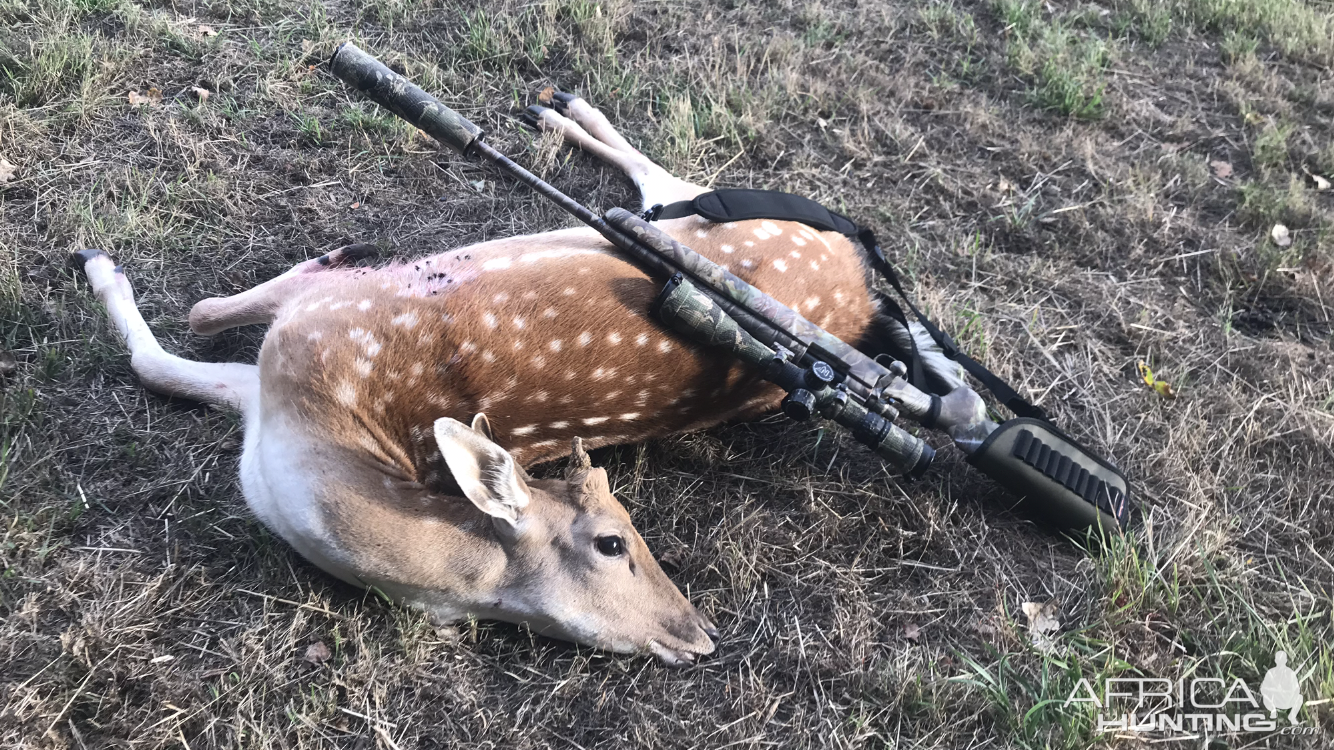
726,205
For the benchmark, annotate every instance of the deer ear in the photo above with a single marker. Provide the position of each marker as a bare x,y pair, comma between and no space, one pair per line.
483,425
484,471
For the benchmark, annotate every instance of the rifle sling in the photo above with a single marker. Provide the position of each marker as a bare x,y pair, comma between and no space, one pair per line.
726,205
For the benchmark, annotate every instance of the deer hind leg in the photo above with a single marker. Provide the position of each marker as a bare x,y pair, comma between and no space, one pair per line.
260,304
584,126
225,384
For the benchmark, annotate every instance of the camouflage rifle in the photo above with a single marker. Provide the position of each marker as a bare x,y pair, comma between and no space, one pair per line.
1065,483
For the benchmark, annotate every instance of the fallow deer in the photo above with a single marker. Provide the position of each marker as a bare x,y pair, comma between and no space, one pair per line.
356,451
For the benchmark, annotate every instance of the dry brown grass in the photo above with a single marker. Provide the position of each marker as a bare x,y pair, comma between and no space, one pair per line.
143,607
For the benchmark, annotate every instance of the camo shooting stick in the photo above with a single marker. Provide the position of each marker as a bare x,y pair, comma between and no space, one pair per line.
821,373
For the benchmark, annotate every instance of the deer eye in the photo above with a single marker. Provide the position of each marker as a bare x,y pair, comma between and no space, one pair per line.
611,546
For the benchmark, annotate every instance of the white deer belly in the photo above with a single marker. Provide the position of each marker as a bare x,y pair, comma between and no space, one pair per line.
284,494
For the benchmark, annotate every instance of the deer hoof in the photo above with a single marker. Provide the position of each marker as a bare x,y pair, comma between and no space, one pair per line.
348,254
80,259
561,101
532,117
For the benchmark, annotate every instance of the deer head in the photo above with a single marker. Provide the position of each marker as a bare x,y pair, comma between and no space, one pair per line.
575,568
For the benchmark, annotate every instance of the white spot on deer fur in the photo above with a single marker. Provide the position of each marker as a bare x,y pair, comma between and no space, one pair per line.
730,225
614,337
642,398
664,346
559,425
630,415
727,249
701,219
525,430
569,291
530,294
838,297
811,303
314,335
365,338
417,369
519,323
497,264
467,347
603,373
543,444
804,232
641,339
781,265
339,305
364,305
611,395
761,234
585,338
446,318
747,263
539,361
407,320
749,243
550,312
346,394
518,344
488,357
595,420
771,228
583,269
316,305
701,233
554,344
490,321
364,367
795,254
798,241
569,374
815,266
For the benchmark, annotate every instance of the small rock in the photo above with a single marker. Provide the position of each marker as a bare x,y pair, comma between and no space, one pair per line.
317,653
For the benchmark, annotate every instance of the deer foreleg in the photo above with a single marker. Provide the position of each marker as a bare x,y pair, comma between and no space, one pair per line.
225,384
260,304
589,129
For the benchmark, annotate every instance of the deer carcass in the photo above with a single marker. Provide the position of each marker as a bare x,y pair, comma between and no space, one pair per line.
356,448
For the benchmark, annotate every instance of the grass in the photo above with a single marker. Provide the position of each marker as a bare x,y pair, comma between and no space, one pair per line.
1046,177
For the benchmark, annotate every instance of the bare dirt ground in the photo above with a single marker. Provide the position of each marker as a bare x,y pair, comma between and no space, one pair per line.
1073,188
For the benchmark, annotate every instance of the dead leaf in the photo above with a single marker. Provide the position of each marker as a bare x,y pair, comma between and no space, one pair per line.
1222,169
7,170
912,632
1005,186
151,97
1162,387
317,653
1281,236
547,95
1320,182
207,31
1042,623
1255,118
202,94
